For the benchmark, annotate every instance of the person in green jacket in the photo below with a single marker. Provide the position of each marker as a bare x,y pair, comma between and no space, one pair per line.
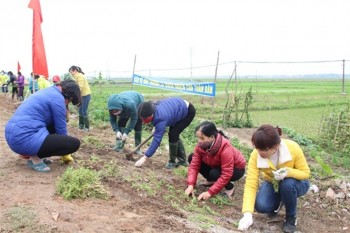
123,107
285,173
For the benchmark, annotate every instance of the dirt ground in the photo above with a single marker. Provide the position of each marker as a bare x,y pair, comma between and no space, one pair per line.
129,209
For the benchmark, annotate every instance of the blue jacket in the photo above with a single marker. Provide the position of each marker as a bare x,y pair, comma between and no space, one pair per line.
26,131
128,102
168,112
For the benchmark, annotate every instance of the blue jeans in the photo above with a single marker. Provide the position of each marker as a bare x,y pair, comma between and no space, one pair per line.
267,200
83,110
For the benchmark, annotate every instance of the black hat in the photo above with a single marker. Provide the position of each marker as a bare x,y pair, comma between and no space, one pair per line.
146,109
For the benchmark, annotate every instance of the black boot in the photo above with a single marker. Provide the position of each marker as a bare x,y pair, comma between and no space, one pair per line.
86,124
290,225
181,155
81,122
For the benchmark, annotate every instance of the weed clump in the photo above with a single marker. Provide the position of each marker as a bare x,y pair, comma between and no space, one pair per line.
81,183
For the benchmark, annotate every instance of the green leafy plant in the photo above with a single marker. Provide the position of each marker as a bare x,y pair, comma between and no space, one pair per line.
81,183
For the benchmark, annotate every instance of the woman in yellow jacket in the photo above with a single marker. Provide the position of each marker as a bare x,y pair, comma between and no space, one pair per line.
84,86
285,171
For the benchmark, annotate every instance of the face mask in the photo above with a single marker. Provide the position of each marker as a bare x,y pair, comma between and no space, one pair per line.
205,145
147,120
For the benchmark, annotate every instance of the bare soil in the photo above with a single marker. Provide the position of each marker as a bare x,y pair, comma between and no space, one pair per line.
130,209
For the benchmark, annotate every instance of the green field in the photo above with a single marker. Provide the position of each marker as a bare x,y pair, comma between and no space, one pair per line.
291,103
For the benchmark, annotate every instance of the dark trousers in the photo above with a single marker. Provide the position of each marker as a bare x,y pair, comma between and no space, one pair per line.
122,123
57,144
213,174
174,131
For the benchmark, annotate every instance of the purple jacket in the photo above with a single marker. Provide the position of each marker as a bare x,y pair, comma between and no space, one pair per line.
168,112
20,81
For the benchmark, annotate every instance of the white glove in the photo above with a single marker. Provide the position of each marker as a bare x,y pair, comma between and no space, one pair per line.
280,174
119,135
124,137
245,222
141,161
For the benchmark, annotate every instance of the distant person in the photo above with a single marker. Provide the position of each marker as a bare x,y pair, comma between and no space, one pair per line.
282,163
56,79
84,86
123,107
43,82
38,128
33,83
216,160
175,113
20,83
13,81
3,81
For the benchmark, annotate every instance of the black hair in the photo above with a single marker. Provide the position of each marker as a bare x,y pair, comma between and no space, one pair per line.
10,73
266,137
71,91
209,129
76,68
19,73
146,109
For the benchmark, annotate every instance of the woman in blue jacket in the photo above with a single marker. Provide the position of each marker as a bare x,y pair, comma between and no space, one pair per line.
38,128
123,108
175,113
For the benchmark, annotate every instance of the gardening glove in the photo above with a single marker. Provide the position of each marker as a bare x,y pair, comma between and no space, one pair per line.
119,135
245,222
124,137
280,174
141,161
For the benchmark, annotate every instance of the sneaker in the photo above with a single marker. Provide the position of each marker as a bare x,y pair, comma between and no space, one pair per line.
290,225
230,192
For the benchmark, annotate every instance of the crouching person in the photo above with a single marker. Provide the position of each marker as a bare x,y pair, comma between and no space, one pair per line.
286,173
216,160
38,128
123,108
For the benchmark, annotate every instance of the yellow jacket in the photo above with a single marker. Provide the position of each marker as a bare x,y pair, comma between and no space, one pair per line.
290,156
83,84
3,79
43,83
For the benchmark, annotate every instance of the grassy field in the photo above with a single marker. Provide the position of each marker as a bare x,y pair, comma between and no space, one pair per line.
296,104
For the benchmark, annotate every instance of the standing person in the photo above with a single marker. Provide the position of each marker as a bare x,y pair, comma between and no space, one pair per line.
38,128
216,159
3,81
175,113
33,83
43,82
13,82
20,83
281,161
124,106
79,77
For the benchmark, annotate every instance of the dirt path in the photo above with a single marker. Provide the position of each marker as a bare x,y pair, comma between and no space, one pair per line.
129,210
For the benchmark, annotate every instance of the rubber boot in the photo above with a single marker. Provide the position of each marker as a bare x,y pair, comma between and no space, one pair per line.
67,159
173,147
181,155
86,124
290,224
138,136
81,122
119,145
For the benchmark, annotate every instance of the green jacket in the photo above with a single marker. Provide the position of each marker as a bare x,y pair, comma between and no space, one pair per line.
128,102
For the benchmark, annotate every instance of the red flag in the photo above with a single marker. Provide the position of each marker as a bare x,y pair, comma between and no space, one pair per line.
18,67
38,49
